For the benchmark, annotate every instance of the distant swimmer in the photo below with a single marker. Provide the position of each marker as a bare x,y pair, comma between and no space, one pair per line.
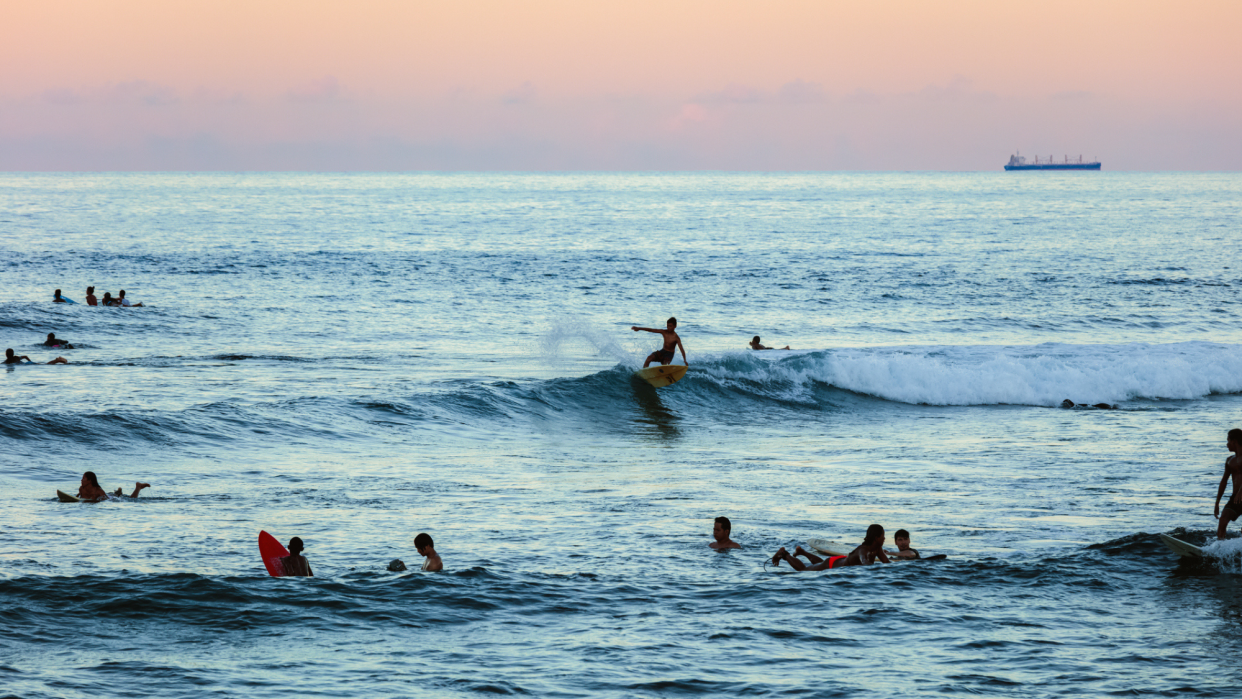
122,301
59,343
108,300
1233,469
90,296
10,358
426,547
902,539
90,490
57,298
720,532
871,549
295,564
1067,403
754,344
671,343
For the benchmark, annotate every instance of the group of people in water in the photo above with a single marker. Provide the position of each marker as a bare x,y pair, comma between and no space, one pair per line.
866,553
92,300
11,357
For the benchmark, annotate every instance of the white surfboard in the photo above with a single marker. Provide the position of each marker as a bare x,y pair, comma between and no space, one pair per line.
1182,548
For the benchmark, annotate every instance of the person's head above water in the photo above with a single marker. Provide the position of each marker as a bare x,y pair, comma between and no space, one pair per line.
423,541
89,478
1234,439
90,289
8,353
51,336
755,340
901,537
875,535
672,323
57,294
295,546
722,528
121,294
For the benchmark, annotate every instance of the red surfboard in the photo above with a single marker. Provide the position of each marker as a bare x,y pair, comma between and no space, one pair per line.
271,551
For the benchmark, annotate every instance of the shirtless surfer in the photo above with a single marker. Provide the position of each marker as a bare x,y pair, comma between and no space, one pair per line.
1233,468
865,554
90,490
754,344
720,533
426,547
11,358
295,564
671,343
57,342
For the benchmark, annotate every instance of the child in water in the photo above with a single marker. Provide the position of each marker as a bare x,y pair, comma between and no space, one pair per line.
295,564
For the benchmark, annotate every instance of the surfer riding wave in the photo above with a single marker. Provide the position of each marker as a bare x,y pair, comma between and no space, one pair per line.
671,343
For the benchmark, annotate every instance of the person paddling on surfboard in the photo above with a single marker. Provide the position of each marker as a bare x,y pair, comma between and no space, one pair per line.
872,548
755,345
91,491
671,343
902,539
1233,468
295,564
720,532
11,358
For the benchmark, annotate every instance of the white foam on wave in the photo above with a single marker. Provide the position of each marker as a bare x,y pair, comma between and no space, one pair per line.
581,334
1041,375
1227,554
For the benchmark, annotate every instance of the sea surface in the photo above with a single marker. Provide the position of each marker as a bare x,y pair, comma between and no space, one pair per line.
355,358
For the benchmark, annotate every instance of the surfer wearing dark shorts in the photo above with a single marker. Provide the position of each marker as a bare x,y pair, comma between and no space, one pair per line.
865,554
1233,469
720,533
91,491
671,343
295,564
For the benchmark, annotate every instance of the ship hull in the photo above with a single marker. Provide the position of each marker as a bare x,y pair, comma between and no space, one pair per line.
1056,166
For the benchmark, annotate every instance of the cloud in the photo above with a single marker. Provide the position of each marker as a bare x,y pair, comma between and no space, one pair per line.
796,92
321,91
521,94
802,92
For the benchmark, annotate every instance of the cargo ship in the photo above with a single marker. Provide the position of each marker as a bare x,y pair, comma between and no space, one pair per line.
1017,162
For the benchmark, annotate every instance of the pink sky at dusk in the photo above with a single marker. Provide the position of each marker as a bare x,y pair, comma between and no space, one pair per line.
636,85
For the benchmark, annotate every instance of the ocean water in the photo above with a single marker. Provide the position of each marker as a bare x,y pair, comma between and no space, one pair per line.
354,359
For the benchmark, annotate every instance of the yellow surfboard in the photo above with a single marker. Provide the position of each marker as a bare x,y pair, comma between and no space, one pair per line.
661,376
66,497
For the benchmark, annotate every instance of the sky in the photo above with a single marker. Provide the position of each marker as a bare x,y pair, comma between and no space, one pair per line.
549,85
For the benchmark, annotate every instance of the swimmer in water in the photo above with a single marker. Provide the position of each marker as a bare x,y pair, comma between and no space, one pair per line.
426,547
1233,469
107,299
754,344
11,358
90,490
57,299
902,539
871,549
53,341
90,296
720,532
295,564
122,301
671,343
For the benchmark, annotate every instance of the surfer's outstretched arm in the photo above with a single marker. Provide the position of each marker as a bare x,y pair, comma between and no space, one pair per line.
635,328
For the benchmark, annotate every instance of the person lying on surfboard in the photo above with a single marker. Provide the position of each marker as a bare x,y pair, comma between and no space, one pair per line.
865,554
57,342
671,343
11,358
295,564
1233,468
754,344
902,539
90,490
426,547
720,532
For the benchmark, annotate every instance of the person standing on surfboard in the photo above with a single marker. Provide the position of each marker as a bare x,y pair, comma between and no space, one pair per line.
295,564
1233,467
671,343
